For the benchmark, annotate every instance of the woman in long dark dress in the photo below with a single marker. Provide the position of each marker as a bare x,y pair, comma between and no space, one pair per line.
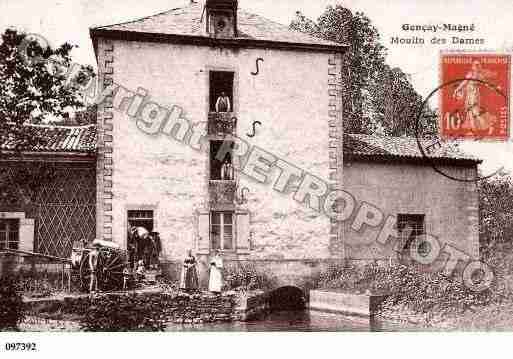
189,280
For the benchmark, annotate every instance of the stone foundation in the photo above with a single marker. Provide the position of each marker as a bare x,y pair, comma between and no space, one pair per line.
177,308
339,302
251,305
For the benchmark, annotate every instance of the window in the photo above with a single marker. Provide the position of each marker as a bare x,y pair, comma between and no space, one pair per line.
409,228
221,23
222,230
221,81
9,233
141,218
221,170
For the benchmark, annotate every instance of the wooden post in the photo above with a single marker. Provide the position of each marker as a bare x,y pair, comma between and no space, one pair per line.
62,275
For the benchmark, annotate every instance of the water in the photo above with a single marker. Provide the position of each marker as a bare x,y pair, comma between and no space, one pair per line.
290,321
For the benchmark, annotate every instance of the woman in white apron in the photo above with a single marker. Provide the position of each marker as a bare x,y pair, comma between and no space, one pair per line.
215,283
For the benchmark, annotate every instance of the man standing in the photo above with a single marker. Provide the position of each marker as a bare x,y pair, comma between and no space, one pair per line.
93,267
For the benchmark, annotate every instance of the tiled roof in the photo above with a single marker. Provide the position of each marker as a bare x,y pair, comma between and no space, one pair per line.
374,146
190,21
72,139
82,139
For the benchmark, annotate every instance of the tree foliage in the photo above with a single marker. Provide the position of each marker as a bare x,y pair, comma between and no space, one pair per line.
496,212
35,91
20,185
382,99
396,105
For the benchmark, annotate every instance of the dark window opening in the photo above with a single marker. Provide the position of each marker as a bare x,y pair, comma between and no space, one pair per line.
221,169
410,228
141,218
287,298
9,233
219,20
221,82
221,230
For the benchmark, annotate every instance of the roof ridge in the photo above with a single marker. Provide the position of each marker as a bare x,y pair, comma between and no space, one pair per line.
145,17
287,27
377,135
60,126
184,21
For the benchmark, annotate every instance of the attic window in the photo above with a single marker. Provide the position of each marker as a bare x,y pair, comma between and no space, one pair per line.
221,21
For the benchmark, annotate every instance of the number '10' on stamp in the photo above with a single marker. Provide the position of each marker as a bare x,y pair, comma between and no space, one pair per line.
474,96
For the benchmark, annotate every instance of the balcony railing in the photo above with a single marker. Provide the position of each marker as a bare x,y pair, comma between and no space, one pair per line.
222,193
221,123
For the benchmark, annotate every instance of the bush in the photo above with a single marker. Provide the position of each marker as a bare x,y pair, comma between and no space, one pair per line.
245,276
41,283
115,313
431,292
405,286
11,304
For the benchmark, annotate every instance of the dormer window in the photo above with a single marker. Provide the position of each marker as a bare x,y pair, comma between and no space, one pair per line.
222,18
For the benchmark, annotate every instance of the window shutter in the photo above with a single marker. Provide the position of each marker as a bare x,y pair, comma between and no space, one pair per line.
243,233
26,234
203,237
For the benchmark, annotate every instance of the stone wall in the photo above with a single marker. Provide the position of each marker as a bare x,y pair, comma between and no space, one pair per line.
450,207
198,308
158,173
280,272
178,308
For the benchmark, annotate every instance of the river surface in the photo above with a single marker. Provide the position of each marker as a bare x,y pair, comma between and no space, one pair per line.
294,321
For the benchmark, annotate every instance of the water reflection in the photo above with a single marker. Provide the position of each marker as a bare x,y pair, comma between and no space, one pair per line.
287,320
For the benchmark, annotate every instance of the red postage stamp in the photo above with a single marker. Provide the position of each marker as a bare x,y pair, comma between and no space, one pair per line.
474,96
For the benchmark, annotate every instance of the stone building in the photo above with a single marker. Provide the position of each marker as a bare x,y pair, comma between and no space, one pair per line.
257,182
391,174
182,60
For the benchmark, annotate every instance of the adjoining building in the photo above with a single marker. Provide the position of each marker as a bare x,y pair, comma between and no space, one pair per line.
49,197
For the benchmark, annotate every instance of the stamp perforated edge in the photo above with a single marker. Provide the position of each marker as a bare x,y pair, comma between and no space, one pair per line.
477,52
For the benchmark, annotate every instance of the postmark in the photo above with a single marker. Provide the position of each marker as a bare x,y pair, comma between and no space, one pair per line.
431,144
475,98
32,47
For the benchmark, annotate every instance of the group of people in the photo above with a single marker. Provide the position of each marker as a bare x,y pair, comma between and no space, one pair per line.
144,248
189,279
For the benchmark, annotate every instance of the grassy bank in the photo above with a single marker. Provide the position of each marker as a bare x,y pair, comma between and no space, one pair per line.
426,300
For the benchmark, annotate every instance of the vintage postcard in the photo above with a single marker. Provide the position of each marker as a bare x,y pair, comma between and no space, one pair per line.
253,166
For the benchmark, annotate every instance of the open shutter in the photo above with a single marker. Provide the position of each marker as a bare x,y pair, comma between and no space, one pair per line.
26,234
243,233
203,237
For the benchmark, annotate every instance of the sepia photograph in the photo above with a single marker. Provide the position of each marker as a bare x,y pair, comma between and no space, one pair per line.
254,166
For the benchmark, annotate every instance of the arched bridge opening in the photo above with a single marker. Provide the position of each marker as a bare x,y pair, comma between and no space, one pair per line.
287,298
